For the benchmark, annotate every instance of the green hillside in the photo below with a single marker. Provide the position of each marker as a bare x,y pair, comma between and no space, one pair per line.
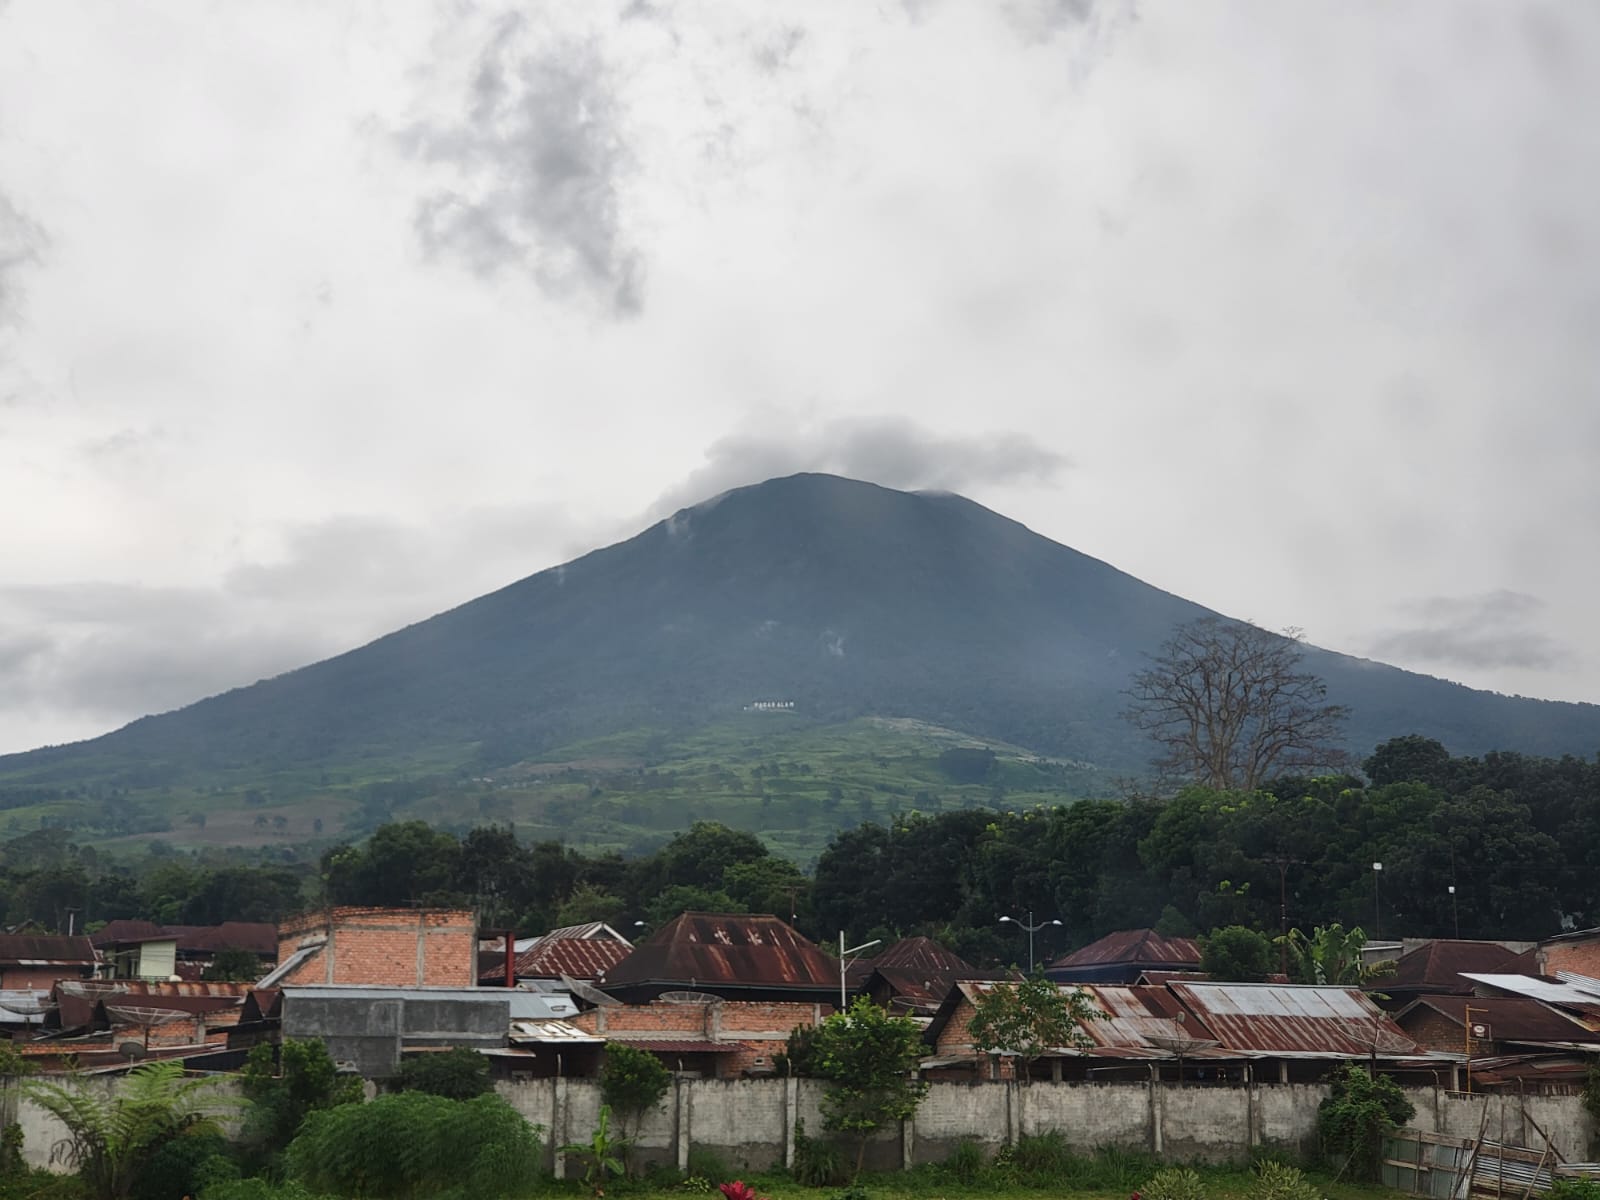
791,780
845,600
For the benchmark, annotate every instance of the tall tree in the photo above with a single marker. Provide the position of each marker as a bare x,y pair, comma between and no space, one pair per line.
1029,1018
1229,707
868,1057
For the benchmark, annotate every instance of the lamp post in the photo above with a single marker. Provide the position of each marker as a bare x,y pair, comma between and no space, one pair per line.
1455,913
1032,929
843,956
1377,903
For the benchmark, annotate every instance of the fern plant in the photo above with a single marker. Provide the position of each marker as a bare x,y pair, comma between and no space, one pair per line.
112,1135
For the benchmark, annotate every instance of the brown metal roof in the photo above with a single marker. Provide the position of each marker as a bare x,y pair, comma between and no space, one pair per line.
921,954
1438,966
46,950
729,950
550,958
75,1011
1269,1018
257,937
1137,947
1510,1018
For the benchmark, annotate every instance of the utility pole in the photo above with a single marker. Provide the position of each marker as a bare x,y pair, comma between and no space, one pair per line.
1377,903
1283,863
1032,929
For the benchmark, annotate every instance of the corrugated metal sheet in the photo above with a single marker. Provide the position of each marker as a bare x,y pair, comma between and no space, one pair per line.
1138,947
577,958
46,950
257,937
921,954
1277,1019
1568,995
552,1031
713,949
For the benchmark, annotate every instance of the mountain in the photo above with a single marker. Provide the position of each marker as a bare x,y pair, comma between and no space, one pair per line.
844,598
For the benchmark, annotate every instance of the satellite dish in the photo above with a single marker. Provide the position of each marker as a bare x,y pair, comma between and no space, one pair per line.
138,1014
132,1050
35,1006
587,991
688,998
92,989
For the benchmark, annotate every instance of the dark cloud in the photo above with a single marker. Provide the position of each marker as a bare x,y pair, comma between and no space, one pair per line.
892,451
118,651
538,159
1496,629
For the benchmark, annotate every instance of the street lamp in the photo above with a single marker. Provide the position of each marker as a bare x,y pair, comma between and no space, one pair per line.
1377,904
843,954
1455,913
1032,929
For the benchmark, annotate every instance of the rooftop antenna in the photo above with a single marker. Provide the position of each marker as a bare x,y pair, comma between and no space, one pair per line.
145,1018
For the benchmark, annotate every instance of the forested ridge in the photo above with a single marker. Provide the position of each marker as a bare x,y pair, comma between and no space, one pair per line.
1518,837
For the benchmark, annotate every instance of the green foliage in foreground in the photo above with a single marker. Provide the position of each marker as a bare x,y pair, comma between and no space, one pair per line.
868,1056
113,1135
411,1145
1352,1122
459,1073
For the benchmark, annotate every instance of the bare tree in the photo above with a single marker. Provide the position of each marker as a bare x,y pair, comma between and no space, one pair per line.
1229,708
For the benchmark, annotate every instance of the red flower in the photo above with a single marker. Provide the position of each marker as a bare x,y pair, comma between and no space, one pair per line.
739,1190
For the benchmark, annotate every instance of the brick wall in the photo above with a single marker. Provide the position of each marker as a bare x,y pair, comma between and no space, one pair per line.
956,1042
1435,1031
756,1029
1580,956
392,947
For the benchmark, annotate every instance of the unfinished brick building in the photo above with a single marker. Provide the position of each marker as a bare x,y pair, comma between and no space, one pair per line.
390,947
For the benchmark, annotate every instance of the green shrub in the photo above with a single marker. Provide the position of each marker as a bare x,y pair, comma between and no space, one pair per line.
1174,1183
816,1163
415,1144
1041,1157
708,1164
184,1167
459,1073
1353,1120
1573,1189
1280,1181
966,1162
854,1192
255,1189
30,1184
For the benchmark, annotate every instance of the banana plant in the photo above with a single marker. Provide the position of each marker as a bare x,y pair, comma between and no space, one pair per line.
601,1155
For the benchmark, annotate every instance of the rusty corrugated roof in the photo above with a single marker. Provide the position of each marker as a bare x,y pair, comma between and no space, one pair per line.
1135,947
730,950
551,958
257,937
1277,1019
47,950
1439,965
921,954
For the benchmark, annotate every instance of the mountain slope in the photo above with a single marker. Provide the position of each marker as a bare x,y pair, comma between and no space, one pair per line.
846,598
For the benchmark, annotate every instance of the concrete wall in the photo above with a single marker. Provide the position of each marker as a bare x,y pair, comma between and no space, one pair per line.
371,1032
749,1123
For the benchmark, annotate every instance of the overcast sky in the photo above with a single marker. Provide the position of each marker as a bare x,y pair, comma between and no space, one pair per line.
316,319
